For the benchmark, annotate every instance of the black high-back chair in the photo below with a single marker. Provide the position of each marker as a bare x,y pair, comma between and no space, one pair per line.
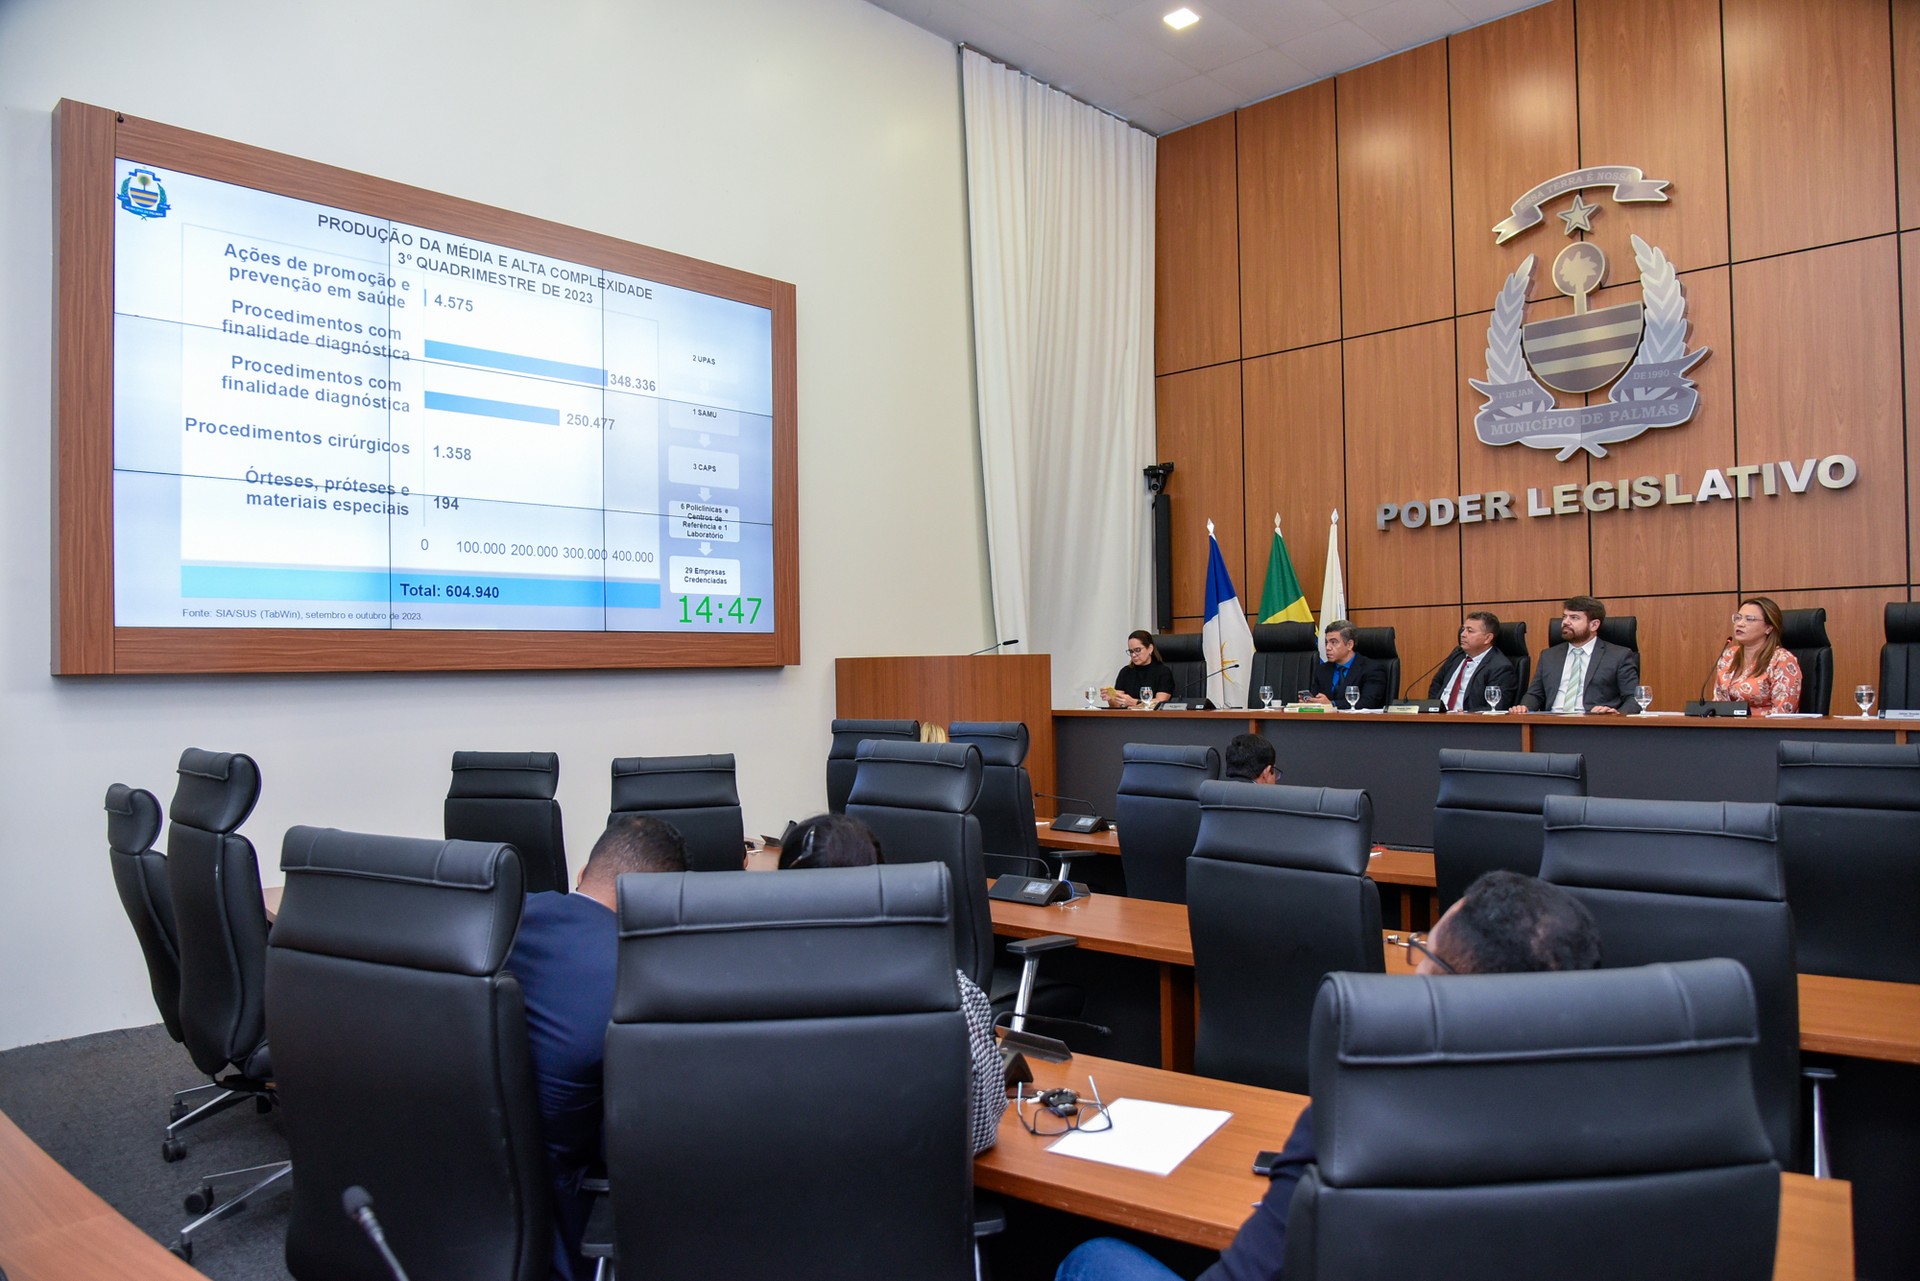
1683,880
1378,644
1581,1126
1182,654
769,996
918,798
1900,657
1511,640
140,876
1009,838
1487,813
1284,655
1850,840
696,794
1277,897
508,796
1804,632
1619,629
847,737
401,1046
1158,808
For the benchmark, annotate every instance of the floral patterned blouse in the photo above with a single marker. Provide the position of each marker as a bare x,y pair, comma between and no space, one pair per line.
1775,690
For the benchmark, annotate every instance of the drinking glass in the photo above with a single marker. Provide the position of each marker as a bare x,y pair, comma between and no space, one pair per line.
1494,694
1643,695
1863,695
1146,698
1266,696
1353,697
1093,696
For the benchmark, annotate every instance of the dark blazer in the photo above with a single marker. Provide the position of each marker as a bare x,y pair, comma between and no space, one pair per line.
1495,669
1612,674
1368,674
1259,1251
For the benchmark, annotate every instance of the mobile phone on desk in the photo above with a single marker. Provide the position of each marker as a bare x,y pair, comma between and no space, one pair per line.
1265,1163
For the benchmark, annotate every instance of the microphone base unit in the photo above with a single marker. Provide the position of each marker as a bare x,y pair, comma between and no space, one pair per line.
1038,891
1079,824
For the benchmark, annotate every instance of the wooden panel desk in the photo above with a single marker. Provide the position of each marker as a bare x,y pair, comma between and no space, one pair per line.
54,1228
1206,1199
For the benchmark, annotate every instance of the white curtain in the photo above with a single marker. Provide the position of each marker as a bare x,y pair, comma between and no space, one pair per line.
1060,207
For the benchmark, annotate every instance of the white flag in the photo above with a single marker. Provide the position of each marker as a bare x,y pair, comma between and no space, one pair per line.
1333,589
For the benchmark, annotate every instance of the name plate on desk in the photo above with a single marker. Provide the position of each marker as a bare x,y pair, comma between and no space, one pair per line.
1406,706
1188,705
1900,714
1727,707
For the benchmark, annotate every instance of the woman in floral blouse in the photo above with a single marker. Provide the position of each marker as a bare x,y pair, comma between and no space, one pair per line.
1754,668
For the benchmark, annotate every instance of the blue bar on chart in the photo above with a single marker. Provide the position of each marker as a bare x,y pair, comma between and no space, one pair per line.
514,363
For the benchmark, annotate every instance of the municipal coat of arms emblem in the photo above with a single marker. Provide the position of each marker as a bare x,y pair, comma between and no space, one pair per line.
1639,347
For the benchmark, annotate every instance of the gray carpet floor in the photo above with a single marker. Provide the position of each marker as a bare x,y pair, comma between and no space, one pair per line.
98,1105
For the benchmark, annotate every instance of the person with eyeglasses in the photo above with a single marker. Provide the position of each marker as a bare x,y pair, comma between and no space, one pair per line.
1144,670
1505,923
1753,667
835,840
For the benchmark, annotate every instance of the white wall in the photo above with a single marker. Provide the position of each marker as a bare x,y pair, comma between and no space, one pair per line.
816,141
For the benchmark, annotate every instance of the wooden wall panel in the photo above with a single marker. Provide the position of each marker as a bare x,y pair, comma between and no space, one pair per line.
1400,411
1289,222
1196,278
1515,123
1809,123
1680,637
1906,107
1545,555
1199,414
1910,331
1650,95
1534,613
1688,548
1856,624
1296,463
1423,637
1817,349
1396,224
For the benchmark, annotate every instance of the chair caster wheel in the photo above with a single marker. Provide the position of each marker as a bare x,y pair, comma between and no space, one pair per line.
172,1150
181,1250
262,1104
176,1110
200,1200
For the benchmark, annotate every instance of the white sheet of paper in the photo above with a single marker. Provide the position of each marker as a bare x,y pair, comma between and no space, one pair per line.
1154,1137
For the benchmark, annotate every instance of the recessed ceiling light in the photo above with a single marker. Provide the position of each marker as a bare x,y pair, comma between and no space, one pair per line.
1181,19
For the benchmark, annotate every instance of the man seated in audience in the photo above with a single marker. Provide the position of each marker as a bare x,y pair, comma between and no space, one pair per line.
566,957
1505,923
1250,760
834,840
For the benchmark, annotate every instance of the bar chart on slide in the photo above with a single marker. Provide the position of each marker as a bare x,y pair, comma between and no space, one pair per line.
324,419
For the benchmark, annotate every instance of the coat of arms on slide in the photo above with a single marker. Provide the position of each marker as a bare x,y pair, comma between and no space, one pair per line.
1640,347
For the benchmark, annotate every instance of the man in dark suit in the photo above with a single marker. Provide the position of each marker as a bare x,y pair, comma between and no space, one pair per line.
1344,667
1611,671
1505,923
1461,683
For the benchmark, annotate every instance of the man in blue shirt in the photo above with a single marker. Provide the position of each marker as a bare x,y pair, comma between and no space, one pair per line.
1505,923
566,957
1347,668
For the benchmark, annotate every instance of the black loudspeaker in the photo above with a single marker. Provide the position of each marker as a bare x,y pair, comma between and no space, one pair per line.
1162,562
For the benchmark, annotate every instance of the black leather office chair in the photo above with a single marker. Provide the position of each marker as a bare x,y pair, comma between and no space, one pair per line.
1804,632
1009,838
1900,657
508,796
1284,655
1158,808
918,798
1618,629
1582,1126
1682,880
1850,840
697,794
1378,644
812,1032
220,923
1277,897
1511,640
401,1046
1487,813
847,737
1182,654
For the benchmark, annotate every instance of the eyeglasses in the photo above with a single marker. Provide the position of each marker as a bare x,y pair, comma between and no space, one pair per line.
1749,618
1136,649
1060,1110
1417,946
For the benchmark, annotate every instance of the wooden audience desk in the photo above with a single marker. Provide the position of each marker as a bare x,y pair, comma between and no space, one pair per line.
1853,1017
54,1228
1206,1199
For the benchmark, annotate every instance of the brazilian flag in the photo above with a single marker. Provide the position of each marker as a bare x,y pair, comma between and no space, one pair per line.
1281,600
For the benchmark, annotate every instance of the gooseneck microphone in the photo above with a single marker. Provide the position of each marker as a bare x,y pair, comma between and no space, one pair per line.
1706,686
1415,682
996,645
359,1207
1187,690
1055,796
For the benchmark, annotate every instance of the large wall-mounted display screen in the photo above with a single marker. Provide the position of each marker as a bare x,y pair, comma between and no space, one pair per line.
393,420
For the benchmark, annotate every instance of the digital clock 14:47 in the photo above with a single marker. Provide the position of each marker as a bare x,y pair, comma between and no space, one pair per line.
722,610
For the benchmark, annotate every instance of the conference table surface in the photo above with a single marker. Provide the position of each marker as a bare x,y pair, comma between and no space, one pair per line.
1210,1194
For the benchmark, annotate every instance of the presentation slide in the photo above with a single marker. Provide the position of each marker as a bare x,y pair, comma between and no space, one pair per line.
329,420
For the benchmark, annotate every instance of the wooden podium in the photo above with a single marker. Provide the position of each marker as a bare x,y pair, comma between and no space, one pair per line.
948,688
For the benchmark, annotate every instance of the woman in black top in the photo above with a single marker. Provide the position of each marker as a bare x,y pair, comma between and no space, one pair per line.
1143,668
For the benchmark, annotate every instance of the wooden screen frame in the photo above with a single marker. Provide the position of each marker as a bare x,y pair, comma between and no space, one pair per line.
87,140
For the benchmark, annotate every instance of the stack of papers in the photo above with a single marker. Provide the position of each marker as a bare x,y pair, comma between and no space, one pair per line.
1153,1137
